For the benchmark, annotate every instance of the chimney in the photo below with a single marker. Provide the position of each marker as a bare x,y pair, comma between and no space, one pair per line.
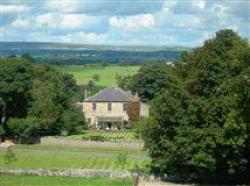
137,96
86,93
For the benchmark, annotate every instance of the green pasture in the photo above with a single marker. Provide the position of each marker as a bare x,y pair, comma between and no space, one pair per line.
107,74
10,180
70,157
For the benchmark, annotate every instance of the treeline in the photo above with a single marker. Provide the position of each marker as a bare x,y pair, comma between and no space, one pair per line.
36,100
103,57
199,125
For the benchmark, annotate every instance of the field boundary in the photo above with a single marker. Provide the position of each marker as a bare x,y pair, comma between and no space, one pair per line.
75,142
68,173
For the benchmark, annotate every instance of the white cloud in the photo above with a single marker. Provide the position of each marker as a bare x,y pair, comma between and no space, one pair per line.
134,22
64,21
82,37
13,9
73,21
47,20
20,23
63,6
199,4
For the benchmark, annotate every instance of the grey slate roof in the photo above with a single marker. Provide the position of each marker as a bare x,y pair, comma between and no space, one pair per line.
112,94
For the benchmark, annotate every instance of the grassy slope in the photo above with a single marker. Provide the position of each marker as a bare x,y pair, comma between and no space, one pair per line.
59,157
107,74
8,180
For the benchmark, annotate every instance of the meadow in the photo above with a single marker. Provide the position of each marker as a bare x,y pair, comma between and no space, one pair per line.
72,157
83,74
10,180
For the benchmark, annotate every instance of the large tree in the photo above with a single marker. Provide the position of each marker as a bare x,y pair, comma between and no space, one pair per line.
201,124
151,81
15,86
36,100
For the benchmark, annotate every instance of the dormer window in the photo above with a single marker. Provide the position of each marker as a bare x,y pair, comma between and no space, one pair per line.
109,106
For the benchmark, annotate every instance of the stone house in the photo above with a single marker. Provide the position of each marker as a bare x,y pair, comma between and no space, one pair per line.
112,105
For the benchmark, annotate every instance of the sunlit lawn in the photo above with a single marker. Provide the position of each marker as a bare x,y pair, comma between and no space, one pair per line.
10,180
107,74
67,157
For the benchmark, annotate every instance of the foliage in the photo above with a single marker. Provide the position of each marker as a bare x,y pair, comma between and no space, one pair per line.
9,157
23,128
73,121
106,135
151,81
28,57
124,82
15,85
121,160
36,100
200,124
140,126
96,77
133,110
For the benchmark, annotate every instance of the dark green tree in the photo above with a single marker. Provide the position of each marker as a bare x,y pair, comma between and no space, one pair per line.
15,86
201,125
151,81
28,57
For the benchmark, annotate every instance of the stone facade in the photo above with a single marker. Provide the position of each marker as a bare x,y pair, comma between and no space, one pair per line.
101,111
112,105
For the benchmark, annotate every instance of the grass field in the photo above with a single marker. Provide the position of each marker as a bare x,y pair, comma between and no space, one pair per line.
9,180
107,74
68,157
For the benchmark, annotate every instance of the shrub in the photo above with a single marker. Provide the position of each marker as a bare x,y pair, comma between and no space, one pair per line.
122,160
23,129
73,121
9,156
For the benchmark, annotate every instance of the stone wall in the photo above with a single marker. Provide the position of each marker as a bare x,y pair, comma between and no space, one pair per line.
69,173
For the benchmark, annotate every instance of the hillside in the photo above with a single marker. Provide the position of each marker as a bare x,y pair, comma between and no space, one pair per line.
79,54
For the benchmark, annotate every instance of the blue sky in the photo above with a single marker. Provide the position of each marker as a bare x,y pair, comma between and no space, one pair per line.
122,22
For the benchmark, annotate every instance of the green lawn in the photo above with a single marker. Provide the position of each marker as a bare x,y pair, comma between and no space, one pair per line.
124,135
107,74
67,157
10,180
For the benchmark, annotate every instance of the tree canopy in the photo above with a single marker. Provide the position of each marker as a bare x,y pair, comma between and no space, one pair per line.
200,124
36,100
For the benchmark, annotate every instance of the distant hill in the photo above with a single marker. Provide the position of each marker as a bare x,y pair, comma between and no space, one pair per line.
69,46
81,54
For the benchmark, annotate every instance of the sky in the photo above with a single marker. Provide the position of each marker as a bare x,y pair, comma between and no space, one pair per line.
185,23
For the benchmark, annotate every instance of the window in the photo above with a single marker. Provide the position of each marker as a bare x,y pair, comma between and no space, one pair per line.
125,106
89,120
109,106
94,106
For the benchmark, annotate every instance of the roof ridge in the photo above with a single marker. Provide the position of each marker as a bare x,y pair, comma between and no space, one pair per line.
112,93
97,93
123,92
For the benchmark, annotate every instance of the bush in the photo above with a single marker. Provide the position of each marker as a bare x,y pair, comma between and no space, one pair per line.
23,129
73,122
94,138
9,156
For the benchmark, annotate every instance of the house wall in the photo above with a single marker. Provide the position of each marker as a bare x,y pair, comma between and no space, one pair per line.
102,111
